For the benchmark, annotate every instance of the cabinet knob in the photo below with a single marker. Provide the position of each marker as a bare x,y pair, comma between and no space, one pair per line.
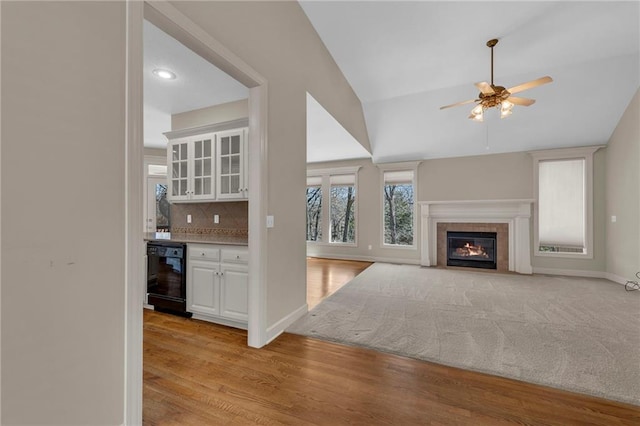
238,256
202,253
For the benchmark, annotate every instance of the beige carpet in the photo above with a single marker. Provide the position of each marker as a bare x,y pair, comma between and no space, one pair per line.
578,334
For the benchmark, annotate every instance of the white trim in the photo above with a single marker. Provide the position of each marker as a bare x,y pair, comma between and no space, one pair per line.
515,213
615,278
134,249
333,171
279,327
585,153
219,320
209,128
258,202
405,165
381,259
166,17
581,273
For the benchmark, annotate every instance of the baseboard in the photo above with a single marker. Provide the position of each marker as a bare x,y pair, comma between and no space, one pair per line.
615,278
580,273
278,328
366,258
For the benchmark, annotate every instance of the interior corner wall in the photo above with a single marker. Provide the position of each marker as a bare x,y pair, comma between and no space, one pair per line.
277,40
63,212
623,195
211,115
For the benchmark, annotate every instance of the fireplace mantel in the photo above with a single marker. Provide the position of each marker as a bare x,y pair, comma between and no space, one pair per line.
515,213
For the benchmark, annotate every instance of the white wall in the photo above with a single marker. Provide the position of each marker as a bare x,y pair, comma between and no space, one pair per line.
277,40
623,195
63,214
210,115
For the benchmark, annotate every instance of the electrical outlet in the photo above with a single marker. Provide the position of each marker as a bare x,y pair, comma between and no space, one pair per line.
188,218
369,246
216,218
270,222
613,219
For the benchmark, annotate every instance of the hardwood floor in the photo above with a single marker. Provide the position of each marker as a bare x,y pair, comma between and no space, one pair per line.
198,373
326,276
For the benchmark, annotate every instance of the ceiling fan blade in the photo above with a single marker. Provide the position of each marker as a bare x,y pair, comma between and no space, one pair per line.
521,101
458,104
530,84
485,88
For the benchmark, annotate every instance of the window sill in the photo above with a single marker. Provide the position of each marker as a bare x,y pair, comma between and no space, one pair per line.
399,247
322,243
585,256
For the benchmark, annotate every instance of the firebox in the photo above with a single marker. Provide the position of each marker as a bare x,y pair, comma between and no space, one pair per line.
472,249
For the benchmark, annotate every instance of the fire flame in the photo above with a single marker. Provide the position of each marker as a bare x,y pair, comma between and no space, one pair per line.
471,250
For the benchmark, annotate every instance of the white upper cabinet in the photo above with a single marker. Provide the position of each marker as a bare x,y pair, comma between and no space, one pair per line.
208,163
192,168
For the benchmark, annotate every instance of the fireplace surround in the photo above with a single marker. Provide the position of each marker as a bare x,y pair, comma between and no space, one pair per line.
510,219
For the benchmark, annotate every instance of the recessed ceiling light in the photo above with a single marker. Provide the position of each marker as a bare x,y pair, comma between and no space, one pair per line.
164,74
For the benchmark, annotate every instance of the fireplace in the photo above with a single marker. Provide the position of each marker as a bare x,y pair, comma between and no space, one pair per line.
472,249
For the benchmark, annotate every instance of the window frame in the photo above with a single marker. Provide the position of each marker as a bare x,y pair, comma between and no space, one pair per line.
325,175
581,153
399,167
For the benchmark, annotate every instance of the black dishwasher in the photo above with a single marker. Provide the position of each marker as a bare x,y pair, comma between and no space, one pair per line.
167,277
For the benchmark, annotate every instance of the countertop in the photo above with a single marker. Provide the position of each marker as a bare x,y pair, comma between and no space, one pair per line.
234,240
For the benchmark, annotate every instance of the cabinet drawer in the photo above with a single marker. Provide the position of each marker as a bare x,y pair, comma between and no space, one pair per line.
235,256
204,252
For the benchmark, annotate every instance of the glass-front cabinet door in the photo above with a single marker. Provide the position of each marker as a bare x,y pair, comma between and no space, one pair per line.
203,168
192,168
178,170
230,164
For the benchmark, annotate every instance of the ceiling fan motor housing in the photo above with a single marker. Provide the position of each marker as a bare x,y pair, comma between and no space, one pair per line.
492,100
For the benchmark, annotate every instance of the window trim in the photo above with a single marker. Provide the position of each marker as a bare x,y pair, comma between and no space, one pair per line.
325,175
586,154
398,167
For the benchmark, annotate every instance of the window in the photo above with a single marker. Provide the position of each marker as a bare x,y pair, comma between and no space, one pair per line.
332,222
314,209
343,199
561,206
563,211
399,207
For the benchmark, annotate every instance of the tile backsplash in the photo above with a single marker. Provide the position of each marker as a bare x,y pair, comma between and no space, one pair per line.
234,218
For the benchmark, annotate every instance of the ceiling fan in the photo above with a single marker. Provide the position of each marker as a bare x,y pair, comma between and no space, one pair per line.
497,96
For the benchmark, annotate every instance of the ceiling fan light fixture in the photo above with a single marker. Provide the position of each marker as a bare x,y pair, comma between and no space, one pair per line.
505,109
478,109
478,117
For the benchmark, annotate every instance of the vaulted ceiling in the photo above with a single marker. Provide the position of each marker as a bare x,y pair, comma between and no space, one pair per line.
406,59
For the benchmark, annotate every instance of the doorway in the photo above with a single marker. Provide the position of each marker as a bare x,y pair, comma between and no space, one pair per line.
170,20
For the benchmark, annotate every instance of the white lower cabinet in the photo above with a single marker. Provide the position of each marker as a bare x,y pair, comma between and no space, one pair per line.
217,283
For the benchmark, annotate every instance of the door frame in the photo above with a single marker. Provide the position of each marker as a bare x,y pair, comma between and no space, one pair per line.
166,17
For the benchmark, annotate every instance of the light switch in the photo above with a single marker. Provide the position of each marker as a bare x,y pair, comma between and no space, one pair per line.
216,218
188,218
270,222
613,219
